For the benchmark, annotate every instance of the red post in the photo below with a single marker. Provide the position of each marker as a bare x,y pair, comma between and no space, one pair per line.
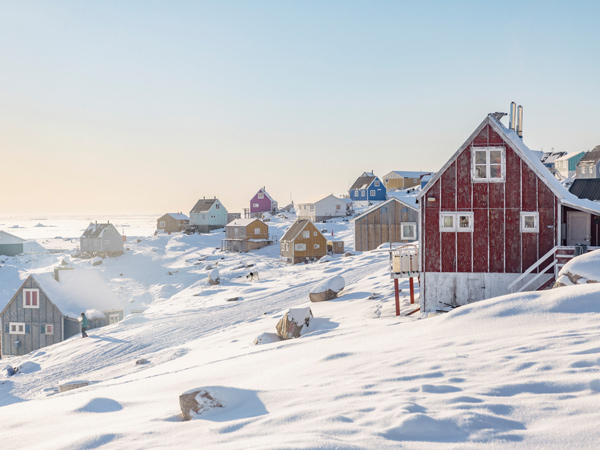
412,291
397,294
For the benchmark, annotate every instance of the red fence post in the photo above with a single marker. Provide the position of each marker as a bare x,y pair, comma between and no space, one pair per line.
412,291
397,295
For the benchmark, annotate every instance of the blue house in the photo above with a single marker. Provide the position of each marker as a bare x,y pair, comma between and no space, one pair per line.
367,188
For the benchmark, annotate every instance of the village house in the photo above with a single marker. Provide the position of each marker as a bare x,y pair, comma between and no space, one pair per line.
566,165
494,220
44,310
11,245
207,215
262,203
302,242
394,221
233,216
101,238
367,188
320,208
589,165
243,235
172,222
402,179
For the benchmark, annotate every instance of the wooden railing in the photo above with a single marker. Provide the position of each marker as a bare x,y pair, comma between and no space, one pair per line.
553,257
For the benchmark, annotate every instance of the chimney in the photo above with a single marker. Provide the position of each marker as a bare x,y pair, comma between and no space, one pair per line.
512,117
520,122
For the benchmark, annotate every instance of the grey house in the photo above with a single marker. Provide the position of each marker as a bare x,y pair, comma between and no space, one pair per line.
44,311
101,238
10,245
589,165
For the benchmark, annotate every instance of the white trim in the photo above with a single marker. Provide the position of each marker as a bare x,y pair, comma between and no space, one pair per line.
301,247
412,226
46,325
443,227
488,176
16,326
456,221
37,292
536,222
306,234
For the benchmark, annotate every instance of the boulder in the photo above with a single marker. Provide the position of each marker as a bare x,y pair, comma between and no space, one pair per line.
327,289
96,261
266,338
294,323
197,401
348,254
142,361
213,277
70,385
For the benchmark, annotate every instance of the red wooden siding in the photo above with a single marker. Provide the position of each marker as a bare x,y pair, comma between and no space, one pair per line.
432,229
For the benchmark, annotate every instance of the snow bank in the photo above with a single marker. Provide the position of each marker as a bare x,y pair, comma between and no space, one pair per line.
582,269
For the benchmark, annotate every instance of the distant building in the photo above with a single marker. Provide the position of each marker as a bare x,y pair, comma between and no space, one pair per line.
402,179
586,188
319,208
101,238
207,215
243,235
262,203
566,165
44,311
589,165
233,216
549,158
367,188
11,245
302,242
172,222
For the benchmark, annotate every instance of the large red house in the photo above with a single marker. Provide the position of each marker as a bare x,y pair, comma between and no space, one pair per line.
494,220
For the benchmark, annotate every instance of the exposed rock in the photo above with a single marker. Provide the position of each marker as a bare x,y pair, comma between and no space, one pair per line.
196,402
142,361
234,299
348,254
96,261
293,321
70,385
213,277
327,289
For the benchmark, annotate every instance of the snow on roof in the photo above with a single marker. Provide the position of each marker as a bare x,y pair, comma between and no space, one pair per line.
410,174
592,156
408,198
7,238
316,199
78,291
264,191
96,230
550,157
241,222
203,205
295,229
364,181
568,156
178,216
411,203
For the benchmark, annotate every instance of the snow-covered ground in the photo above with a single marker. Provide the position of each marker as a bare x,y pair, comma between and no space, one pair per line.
521,371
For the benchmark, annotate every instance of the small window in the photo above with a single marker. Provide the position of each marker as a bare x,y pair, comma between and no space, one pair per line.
314,233
257,231
456,221
376,183
363,193
306,234
261,195
287,246
530,222
372,193
255,205
17,328
317,246
48,329
337,207
161,224
217,206
106,241
300,247
312,207
356,192
408,231
447,222
488,164
31,298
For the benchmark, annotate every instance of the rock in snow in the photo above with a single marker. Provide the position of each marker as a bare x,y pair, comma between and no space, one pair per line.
213,277
196,401
327,289
294,322
583,269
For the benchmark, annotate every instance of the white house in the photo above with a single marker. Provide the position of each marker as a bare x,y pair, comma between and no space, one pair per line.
319,208
208,214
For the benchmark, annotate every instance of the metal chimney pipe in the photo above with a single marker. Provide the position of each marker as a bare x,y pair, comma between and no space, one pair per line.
512,116
520,122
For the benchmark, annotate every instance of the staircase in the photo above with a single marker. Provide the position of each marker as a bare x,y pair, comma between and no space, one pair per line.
555,259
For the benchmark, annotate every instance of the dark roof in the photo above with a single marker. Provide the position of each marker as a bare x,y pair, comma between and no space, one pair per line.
203,205
586,188
363,181
295,229
591,156
95,230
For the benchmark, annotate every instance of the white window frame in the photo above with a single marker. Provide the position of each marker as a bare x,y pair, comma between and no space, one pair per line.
46,326
217,206
306,234
255,205
356,192
314,233
161,224
316,246
261,195
363,193
372,193
456,221
488,178
412,225
301,247
13,328
37,291
257,230
376,183
536,217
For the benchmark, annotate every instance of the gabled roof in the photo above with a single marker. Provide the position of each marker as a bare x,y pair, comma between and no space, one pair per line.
568,156
295,229
592,156
387,202
313,200
586,188
550,157
529,157
178,216
242,222
203,205
96,230
79,290
364,181
7,238
408,173
264,191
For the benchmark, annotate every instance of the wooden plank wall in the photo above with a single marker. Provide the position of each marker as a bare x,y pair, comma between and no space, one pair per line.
496,243
375,228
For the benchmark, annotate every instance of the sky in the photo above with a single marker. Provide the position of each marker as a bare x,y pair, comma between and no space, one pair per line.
146,106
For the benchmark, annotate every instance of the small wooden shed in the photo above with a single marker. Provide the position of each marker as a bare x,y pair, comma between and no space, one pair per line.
172,222
302,242
391,221
243,235
335,247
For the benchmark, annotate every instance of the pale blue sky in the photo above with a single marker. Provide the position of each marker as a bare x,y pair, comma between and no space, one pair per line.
145,106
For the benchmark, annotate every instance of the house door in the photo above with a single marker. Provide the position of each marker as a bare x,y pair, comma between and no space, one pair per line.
476,288
578,228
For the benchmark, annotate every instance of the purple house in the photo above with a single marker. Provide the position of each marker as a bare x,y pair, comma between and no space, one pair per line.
262,203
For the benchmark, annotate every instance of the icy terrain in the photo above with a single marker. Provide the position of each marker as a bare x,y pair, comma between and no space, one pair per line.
521,371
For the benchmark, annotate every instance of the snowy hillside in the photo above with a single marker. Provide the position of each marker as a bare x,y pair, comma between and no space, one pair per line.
521,371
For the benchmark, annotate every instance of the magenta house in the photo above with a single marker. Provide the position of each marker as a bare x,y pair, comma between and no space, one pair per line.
262,203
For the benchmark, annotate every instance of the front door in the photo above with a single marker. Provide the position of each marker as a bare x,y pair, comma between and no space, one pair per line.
578,228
